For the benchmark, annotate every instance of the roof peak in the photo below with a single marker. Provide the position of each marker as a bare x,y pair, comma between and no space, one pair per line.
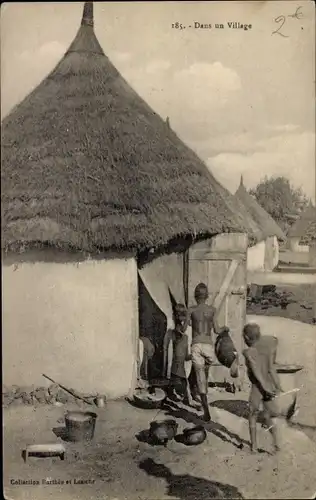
87,16
86,40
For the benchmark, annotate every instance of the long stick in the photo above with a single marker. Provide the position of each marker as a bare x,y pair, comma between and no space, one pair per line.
287,392
68,390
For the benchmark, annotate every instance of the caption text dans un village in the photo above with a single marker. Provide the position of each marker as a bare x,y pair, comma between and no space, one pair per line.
202,26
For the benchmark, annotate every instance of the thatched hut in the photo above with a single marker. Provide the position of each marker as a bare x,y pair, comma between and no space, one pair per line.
256,244
94,187
302,232
265,254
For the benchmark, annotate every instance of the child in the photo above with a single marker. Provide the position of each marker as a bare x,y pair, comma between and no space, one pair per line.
148,351
179,388
260,361
203,321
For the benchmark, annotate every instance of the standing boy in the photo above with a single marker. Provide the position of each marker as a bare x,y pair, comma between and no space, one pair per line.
203,321
179,387
260,359
147,351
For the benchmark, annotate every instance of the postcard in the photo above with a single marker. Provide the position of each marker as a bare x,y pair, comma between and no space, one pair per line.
158,231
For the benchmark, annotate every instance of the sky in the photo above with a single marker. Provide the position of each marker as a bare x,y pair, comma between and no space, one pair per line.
244,100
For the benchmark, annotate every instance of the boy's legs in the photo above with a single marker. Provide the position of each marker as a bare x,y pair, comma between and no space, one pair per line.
192,397
198,361
208,355
271,422
173,387
148,353
255,400
181,387
193,384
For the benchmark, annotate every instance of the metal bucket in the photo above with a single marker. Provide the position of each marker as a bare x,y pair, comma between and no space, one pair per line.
80,425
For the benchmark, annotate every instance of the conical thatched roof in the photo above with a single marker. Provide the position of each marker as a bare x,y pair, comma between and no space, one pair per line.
254,232
264,221
305,226
88,165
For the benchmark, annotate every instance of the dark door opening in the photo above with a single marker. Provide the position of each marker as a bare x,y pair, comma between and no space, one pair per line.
153,326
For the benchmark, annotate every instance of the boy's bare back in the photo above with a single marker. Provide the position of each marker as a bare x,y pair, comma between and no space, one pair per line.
202,322
260,358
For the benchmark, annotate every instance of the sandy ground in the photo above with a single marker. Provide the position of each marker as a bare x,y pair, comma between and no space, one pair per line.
275,278
123,466
302,309
303,291
289,257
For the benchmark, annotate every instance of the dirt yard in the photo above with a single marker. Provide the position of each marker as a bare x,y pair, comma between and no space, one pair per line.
121,465
302,290
301,309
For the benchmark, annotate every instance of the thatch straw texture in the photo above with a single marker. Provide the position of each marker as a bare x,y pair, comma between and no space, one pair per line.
88,165
251,228
264,221
305,226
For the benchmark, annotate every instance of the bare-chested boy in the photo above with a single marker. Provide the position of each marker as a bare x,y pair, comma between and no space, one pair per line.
203,321
260,359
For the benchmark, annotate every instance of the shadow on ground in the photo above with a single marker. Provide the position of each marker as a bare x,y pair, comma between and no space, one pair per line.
186,487
61,432
213,427
236,407
309,430
240,409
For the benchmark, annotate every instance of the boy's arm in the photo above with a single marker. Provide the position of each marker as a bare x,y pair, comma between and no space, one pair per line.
255,369
216,326
166,342
217,329
272,369
188,355
187,321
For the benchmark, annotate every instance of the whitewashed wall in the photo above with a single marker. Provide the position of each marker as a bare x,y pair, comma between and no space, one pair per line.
312,255
255,257
293,244
271,253
75,322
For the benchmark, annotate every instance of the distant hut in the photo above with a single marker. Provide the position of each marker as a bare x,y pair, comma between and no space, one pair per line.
312,247
302,232
265,254
256,244
96,191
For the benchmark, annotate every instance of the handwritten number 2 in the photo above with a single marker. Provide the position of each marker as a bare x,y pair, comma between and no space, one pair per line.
280,19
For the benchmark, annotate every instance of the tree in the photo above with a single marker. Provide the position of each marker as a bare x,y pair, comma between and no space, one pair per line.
280,199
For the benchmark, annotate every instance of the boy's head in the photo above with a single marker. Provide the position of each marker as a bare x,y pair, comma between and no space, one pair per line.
251,333
180,314
201,293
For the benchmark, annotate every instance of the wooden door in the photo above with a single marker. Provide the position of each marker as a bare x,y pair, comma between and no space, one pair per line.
221,263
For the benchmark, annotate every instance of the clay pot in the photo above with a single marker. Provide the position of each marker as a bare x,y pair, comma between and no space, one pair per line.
164,430
224,349
195,435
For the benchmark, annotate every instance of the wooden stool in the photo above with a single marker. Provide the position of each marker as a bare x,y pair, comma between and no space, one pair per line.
44,450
